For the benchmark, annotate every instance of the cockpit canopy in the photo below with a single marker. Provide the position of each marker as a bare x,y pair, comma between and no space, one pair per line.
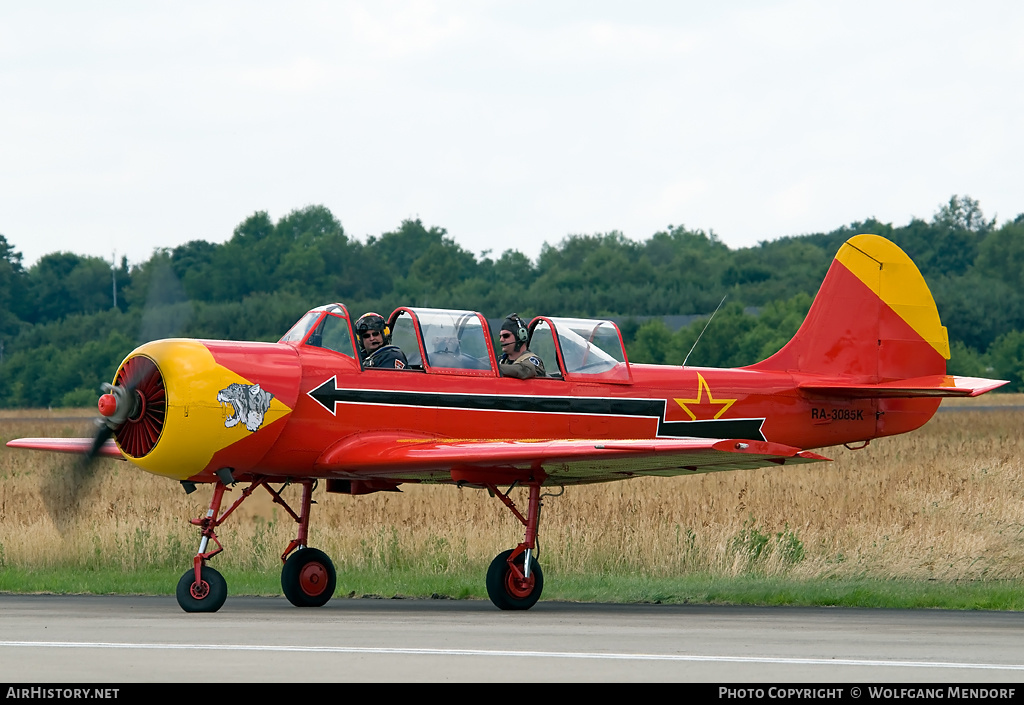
444,340
448,341
324,327
585,349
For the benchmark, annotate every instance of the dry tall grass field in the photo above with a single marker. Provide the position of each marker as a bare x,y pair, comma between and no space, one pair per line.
945,502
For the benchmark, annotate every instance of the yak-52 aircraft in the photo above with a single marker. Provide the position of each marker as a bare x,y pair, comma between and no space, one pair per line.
868,361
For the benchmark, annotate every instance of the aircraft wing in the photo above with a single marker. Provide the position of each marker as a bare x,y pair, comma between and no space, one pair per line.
77,446
929,386
574,461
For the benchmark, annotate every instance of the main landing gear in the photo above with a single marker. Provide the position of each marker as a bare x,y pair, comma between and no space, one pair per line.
308,577
514,578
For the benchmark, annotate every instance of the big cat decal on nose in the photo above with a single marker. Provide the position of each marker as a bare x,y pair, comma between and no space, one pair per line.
249,403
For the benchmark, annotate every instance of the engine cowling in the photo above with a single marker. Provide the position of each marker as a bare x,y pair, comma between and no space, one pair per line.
201,405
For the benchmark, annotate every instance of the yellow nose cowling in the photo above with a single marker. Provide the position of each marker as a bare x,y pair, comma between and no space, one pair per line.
218,394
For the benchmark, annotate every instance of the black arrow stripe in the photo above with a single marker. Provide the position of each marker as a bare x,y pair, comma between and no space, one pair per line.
328,395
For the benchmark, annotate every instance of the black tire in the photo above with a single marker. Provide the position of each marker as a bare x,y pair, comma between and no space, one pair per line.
209,596
503,593
308,578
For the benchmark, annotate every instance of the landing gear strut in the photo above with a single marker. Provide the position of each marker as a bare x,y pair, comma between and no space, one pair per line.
203,589
514,578
308,577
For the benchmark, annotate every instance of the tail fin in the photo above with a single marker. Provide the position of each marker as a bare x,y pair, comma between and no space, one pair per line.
873,330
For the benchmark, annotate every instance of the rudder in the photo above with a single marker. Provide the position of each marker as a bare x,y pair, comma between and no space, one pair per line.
873,320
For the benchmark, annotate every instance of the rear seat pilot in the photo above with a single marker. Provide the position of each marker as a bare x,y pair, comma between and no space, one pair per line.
517,360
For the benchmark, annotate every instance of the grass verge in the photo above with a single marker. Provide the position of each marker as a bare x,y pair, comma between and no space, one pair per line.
622,589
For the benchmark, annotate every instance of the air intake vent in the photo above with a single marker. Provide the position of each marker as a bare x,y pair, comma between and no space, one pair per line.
138,435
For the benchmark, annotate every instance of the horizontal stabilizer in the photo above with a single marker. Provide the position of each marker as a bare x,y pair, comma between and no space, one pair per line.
79,446
928,386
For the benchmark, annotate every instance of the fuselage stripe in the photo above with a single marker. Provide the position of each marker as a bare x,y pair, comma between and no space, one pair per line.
328,395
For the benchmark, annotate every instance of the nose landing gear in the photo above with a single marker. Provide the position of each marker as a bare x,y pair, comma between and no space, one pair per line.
308,577
202,594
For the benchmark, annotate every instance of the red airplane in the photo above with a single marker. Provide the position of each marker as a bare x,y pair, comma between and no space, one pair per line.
868,361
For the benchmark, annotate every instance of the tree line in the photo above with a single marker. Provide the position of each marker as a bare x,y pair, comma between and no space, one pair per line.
62,333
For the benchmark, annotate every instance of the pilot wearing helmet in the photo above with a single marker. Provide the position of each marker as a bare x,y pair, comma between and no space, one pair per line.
516,359
375,346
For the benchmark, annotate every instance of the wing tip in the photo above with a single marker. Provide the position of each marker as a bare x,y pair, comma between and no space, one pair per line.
67,445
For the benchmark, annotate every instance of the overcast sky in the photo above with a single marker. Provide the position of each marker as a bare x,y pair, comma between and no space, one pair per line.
128,126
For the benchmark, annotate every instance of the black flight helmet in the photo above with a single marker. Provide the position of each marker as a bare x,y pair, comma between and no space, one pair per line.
372,321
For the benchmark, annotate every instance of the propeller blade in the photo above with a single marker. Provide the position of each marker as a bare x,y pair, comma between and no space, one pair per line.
103,434
137,394
62,491
64,488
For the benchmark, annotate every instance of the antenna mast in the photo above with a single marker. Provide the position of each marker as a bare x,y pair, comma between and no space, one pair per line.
702,331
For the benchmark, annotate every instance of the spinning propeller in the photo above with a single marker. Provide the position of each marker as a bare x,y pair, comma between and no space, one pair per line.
132,411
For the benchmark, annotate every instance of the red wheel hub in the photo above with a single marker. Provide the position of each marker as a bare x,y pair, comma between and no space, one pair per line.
313,579
199,590
518,587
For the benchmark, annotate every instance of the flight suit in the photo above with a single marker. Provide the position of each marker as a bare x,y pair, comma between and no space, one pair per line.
525,366
388,357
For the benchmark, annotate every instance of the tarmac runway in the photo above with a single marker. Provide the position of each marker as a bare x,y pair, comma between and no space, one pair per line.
118,639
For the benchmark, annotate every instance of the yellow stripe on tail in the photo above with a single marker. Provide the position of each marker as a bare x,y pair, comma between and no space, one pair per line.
892,275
